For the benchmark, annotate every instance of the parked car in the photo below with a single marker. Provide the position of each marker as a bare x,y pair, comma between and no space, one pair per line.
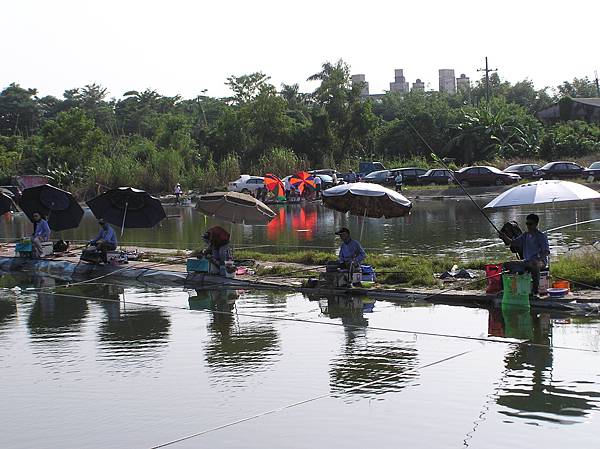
435,176
330,172
410,175
592,172
485,176
326,180
246,184
523,170
364,168
560,170
383,177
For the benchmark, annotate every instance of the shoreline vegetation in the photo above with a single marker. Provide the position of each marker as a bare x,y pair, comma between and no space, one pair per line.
582,268
86,140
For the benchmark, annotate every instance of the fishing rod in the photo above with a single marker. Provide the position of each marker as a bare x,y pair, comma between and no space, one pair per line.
440,160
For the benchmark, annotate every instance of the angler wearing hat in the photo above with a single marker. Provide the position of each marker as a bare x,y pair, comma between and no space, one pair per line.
218,250
351,252
106,240
178,191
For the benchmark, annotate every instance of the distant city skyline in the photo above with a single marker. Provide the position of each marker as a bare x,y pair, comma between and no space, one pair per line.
182,47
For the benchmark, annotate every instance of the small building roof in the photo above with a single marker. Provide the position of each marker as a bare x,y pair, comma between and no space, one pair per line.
589,101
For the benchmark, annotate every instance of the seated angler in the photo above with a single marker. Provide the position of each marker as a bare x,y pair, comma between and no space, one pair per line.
351,253
41,233
105,241
218,251
533,244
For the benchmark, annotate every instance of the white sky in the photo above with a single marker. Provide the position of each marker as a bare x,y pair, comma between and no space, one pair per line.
182,47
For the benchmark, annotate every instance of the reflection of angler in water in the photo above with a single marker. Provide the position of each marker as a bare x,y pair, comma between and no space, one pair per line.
362,360
234,350
529,391
54,314
134,326
8,310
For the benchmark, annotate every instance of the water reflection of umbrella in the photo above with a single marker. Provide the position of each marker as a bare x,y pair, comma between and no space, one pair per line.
540,192
59,206
303,180
234,207
275,185
128,208
6,203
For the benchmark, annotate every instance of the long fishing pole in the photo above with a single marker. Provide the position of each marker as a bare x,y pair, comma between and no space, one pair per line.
439,160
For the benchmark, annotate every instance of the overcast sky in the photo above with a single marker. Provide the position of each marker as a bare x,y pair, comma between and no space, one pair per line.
182,47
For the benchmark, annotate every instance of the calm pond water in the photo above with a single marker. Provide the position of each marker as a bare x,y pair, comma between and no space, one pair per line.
142,366
450,226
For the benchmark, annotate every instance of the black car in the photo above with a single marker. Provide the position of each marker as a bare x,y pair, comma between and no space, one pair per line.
383,177
560,170
523,170
592,173
436,176
410,175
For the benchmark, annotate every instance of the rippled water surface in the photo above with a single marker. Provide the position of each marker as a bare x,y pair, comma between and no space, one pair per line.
135,366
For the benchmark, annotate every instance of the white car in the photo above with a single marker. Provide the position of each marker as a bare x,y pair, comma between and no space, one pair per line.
246,184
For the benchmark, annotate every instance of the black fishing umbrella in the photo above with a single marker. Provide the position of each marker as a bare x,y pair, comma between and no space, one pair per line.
6,203
128,208
60,207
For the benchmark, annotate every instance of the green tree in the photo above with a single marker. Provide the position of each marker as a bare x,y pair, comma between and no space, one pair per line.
19,111
578,88
495,130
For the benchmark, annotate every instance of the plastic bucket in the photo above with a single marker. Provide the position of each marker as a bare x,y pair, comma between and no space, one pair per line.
493,274
561,284
517,288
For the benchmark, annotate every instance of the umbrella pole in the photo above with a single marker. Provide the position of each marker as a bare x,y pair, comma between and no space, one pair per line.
124,215
362,226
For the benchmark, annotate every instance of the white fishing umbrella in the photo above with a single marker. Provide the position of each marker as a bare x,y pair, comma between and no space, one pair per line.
540,192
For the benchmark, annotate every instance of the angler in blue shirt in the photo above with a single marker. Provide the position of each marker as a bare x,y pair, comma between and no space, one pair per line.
106,240
535,247
41,233
351,252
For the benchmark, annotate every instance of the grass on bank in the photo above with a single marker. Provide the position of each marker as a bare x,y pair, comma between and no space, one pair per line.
408,270
583,268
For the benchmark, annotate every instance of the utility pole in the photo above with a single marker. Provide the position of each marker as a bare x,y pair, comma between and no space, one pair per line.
597,84
487,71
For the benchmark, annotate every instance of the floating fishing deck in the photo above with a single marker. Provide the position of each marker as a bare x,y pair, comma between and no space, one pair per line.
69,268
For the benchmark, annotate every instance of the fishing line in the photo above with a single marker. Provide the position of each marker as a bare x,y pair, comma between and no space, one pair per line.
439,160
306,401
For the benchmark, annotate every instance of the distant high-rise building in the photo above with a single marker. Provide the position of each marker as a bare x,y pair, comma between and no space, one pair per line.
463,84
447,81
360,78
400,84
418,85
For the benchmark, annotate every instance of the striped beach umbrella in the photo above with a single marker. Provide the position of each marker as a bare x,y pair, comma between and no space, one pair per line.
275,185
302,180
